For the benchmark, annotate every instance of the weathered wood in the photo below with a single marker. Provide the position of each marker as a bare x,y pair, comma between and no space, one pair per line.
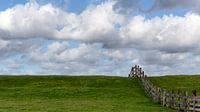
164,97
172,99
176,100
194,110
159,95
194,94
179,94
186,101
142,74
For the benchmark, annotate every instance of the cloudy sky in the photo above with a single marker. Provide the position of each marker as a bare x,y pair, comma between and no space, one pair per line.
99,37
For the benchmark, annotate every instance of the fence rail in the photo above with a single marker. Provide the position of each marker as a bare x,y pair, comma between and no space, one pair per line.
179,100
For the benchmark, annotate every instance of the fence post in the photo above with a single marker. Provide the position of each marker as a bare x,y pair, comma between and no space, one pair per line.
172,99
131,72
167,98
186,100
163,97
146,84
194,94
145,76
155,92
136,71
140,73
159,95
179,99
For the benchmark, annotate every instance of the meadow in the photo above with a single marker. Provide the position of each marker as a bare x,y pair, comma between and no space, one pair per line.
175,82
74,94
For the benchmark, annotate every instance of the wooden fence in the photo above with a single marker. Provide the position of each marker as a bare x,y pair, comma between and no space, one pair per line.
179,100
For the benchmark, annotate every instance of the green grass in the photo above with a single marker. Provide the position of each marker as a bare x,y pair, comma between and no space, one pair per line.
184,83
74,94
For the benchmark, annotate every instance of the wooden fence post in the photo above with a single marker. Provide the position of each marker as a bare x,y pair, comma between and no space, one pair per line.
136,71
145,76
159,95
194,94
186,100
179,99
131,73
140,73
172,99
167,98
164,97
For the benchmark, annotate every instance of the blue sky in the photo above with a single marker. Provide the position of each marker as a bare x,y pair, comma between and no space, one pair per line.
74,5
78,6
102,37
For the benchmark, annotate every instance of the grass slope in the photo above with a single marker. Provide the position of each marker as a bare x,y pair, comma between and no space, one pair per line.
74,94
181,82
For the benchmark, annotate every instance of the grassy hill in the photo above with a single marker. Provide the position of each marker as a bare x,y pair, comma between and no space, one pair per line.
74,94
182,82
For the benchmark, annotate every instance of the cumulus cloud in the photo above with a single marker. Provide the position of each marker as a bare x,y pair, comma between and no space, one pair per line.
168,34
11,48
110,42
130,6
97,25
126,6
32,20
3,44
87,58
171,4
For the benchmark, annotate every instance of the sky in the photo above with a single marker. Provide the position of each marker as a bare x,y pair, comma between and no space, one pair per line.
99,37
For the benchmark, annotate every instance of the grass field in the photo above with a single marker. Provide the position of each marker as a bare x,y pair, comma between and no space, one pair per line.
74,94
184,83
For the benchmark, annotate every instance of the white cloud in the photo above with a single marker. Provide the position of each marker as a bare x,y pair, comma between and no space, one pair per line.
131,6
3,44
97,24
32,20
87,58
160,43
167,34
